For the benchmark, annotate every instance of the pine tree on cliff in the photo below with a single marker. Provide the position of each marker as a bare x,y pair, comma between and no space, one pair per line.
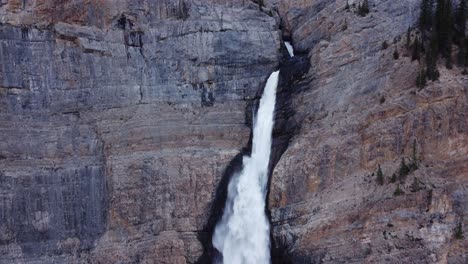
408,38
425,17
466,56
363,9
380,177
460,18
444,26
431,58
460,23
414,165
396,55
449,41
260,4
404,170
393,178
459,231
416,49
421,79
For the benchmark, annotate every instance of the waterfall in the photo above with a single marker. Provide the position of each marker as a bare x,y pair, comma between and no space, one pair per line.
290,48
243,234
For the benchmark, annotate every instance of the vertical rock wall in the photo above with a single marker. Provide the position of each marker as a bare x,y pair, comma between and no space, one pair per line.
117,120
358,107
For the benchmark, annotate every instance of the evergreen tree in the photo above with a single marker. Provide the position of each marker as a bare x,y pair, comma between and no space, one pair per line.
380,177
431,59
449,62
461,16
395,54
384,45
449,28
444,26
466,57
460,23
416,49
393,178
398,191
363,9
408,38
459,231
421,79
415,185
439,16
462,52
404,169
414,161
425,16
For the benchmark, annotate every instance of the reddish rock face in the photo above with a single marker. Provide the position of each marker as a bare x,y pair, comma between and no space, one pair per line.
359,107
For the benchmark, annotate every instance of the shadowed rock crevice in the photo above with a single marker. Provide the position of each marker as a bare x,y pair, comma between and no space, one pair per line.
291,83
217,207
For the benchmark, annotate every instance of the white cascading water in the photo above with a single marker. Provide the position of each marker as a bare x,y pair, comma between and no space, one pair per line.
290,48
243,234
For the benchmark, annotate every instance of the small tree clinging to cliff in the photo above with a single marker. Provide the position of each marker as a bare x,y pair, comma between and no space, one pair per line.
398,191
404,170
393,178
415,185
459,231
414,159
460,36
425,16
363,9
380,176
408,38
260,4
416,49
395,54
421,79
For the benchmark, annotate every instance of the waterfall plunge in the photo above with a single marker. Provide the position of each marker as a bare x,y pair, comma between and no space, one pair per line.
243,234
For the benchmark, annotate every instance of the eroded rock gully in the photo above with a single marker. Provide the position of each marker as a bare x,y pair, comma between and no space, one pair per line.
120,118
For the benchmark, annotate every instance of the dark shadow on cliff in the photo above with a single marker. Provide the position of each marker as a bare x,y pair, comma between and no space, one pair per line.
217,208
291,83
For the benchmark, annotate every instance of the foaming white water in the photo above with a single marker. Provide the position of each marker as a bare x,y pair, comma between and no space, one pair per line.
290,48
243,234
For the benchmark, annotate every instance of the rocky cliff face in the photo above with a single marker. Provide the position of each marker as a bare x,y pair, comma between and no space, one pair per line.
118,119
359,107
122,120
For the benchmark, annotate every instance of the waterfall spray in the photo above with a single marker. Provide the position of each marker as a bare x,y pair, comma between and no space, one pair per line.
243,234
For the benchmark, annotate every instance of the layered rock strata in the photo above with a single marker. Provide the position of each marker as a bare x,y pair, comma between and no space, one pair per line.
117,121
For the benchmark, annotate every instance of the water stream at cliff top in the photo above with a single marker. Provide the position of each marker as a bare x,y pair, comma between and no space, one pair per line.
290,48
243,234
